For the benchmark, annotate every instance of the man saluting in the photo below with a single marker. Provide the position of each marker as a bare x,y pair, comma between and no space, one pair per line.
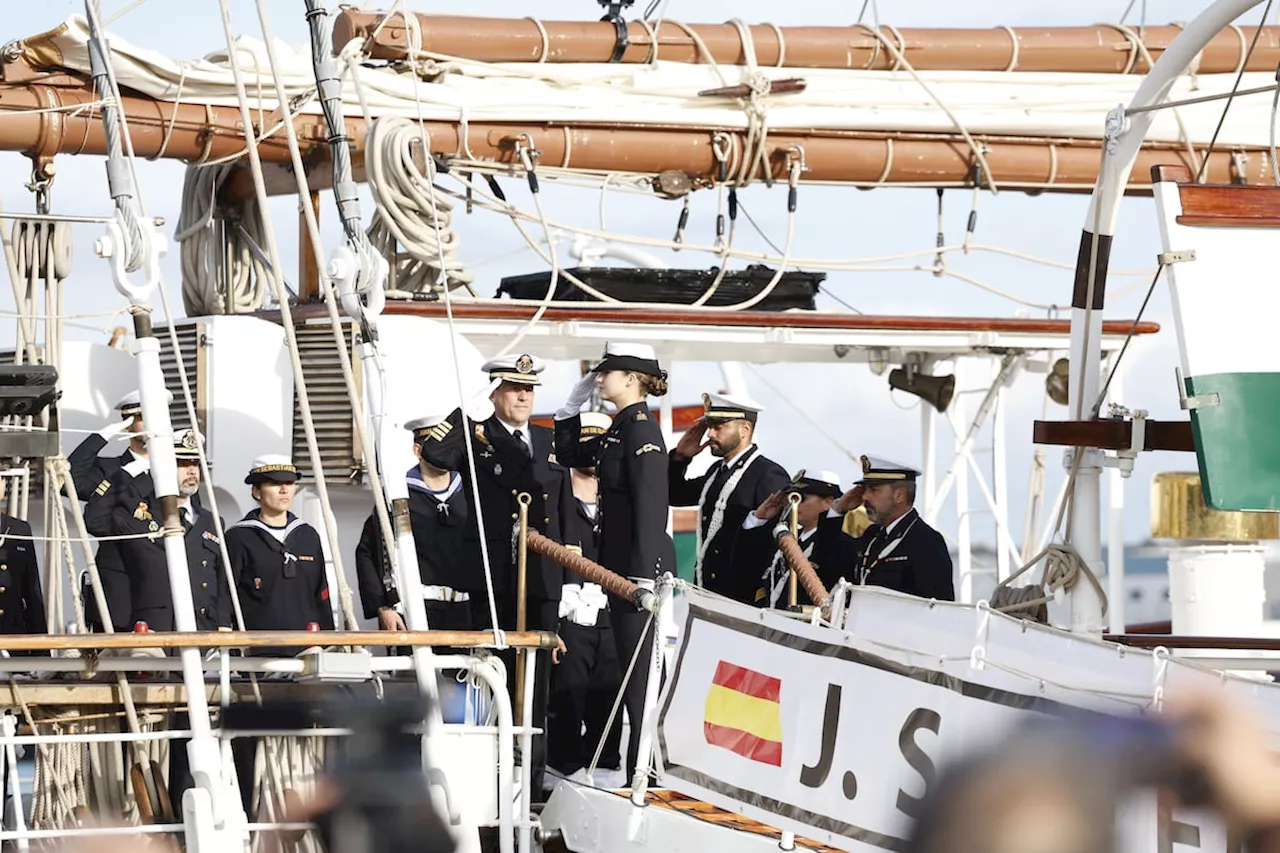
738,482
899,550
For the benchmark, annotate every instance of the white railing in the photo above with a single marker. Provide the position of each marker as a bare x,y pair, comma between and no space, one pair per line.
486,670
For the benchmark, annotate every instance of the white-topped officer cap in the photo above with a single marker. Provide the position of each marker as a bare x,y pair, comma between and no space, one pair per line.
186,445
131,404
725,407
883,471
521,369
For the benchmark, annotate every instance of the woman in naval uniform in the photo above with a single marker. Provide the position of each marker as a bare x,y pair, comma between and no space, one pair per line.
631,466
277,559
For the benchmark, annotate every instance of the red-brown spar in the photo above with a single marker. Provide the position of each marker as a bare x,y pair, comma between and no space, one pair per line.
1100,49
40,119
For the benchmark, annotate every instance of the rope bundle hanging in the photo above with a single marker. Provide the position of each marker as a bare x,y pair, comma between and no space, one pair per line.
212,235
410,210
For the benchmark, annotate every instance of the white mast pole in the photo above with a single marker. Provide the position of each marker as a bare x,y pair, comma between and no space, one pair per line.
1125,132
213,815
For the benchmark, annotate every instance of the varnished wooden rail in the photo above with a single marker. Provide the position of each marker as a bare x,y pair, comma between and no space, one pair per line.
259,639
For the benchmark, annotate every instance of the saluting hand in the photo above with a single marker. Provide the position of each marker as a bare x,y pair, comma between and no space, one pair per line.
691,443
772,505
850,500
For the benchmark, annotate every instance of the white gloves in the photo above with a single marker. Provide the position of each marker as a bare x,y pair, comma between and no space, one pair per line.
580,394
114,429
480,407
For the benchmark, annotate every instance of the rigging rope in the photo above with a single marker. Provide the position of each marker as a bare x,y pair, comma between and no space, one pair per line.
498,634
354,397
214,252
409,211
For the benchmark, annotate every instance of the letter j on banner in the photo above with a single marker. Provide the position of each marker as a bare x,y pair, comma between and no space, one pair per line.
743,714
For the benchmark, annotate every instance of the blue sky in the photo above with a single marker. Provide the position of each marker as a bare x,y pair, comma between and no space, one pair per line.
849,402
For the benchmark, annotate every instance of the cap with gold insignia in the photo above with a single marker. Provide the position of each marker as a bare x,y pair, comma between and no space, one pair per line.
876,471
824,484
717,408
130,404
186,445
521,369
593,425
272,468
633,358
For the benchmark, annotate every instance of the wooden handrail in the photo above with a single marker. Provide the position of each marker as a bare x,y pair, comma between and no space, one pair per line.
260,639
1177,641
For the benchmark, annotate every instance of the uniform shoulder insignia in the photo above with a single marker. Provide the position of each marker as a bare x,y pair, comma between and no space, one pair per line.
641,416
646,448
211,536
480,436
102,488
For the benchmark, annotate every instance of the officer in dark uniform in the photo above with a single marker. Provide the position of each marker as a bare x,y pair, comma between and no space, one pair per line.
738,482
21,598
585,682
277,559
91,473
129,507
818,492
88,469
438,515
899,550
631,466
514,456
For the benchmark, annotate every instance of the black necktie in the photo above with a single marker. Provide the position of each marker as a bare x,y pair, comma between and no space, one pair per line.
186,521
523,445
717,483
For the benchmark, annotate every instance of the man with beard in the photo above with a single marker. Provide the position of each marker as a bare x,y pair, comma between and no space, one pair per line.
899,551
737,483
129,507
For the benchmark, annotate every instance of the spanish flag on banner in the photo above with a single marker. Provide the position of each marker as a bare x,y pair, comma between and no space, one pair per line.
743,713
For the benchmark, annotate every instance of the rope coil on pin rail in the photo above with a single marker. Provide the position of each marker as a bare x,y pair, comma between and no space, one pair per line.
410,211
208,255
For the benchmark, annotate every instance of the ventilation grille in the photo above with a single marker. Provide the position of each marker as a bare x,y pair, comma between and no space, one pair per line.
191,344
330,406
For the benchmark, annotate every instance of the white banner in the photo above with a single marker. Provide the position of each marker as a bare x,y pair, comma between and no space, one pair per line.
835,736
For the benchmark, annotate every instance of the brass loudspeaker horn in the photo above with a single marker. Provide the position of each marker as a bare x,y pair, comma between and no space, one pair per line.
1058,383
937,391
